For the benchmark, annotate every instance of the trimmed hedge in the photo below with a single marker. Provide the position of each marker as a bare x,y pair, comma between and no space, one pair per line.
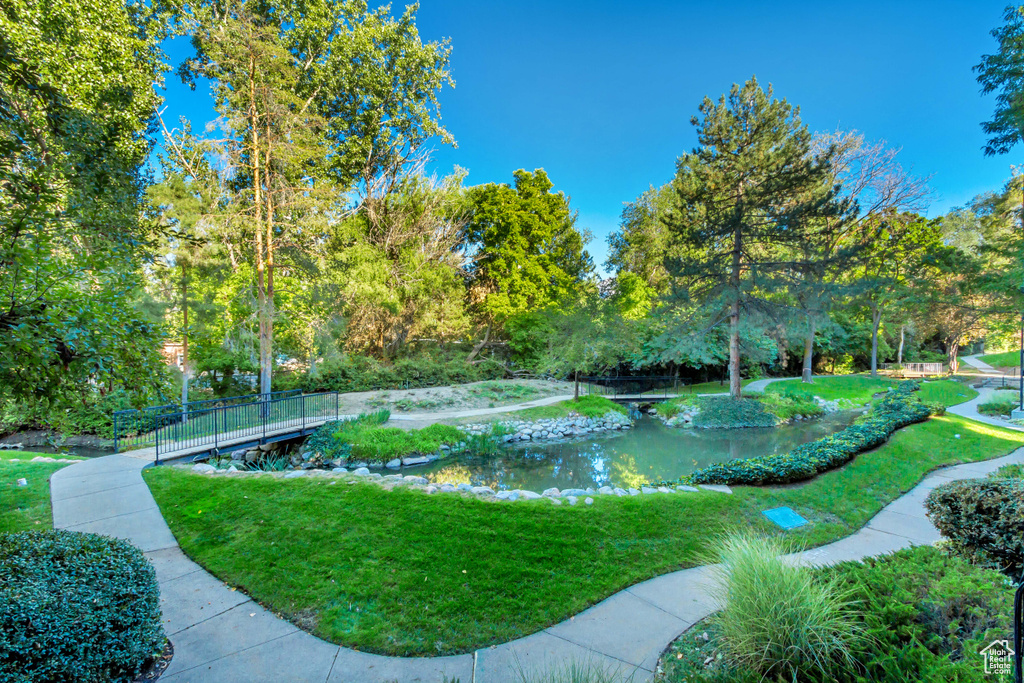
897,409
983,520
75,607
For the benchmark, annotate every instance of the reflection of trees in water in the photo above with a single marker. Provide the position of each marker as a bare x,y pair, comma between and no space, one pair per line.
649,453
451,474
626,472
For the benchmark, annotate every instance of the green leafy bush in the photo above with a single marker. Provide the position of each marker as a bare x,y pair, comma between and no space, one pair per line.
725,412
779,620
364,438
595,406
983,520
997,406
895,410
787,404
75,607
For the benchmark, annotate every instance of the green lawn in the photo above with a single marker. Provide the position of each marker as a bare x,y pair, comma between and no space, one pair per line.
26,507
856,388
1008,359
402,572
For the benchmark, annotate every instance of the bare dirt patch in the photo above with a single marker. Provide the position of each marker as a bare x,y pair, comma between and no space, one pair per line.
473,396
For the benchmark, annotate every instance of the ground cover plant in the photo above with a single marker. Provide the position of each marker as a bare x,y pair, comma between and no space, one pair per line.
924,616
26,507
401,572
366,439
727,412
75,607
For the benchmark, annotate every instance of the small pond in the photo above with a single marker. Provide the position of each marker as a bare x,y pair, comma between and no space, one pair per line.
648,452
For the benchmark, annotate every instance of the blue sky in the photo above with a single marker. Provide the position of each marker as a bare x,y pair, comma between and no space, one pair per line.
600,94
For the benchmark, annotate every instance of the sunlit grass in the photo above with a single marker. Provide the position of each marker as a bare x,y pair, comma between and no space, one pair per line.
402,572
26,507
855,388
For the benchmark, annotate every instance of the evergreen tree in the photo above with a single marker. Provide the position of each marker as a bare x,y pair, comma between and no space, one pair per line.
746,199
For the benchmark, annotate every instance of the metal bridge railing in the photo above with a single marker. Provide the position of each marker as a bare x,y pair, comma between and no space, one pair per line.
661,386
215,422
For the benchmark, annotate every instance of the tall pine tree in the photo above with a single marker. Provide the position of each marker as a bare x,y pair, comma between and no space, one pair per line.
746,199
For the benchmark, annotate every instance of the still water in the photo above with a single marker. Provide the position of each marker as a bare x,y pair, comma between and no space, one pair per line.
648,452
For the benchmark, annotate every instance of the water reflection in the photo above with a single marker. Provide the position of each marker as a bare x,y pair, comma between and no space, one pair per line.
650,451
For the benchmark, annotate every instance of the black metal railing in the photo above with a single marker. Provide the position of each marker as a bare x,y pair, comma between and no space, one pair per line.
220,422
661,386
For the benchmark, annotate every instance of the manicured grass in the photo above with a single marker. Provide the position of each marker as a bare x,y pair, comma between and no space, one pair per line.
1008,359
26,507
948,392
855,388
711,387
401,572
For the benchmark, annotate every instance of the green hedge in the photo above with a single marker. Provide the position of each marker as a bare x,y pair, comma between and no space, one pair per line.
897,409
363,373
983,520
75,607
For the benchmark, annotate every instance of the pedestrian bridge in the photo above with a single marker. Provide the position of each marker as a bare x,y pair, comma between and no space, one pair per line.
175,432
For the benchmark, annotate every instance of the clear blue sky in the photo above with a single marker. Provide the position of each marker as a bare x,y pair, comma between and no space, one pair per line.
600,93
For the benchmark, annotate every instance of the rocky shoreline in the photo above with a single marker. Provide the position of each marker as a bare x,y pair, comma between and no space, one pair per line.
513,431
389,481
684,418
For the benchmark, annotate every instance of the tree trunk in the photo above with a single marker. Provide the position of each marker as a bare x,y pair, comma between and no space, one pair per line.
954,348
899,353
184,346
479,345
735,386
808,372
261,274
267,340
876,321
576,388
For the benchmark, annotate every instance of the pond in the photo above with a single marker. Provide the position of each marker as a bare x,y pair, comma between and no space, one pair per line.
648,452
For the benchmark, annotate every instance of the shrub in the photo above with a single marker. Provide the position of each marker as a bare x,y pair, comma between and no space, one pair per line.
779,620
426,369
364,438
935,407
728,412
595,406
787,404
983,519
895,410
75,607
926,615
999,406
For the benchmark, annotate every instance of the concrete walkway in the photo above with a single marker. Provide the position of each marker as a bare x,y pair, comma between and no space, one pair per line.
976,362
970,409
220,635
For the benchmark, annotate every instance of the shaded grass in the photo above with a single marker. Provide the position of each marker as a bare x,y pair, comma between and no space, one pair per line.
26,507
947,392
856,388
401,572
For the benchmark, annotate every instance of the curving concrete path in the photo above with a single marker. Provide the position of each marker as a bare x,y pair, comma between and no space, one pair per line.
220,635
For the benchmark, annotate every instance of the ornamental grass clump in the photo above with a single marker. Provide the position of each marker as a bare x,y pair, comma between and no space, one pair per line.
779,620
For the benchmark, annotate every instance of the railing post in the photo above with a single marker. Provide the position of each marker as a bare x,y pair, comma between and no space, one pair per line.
216,431
116,432
337,415
156,431
302,410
